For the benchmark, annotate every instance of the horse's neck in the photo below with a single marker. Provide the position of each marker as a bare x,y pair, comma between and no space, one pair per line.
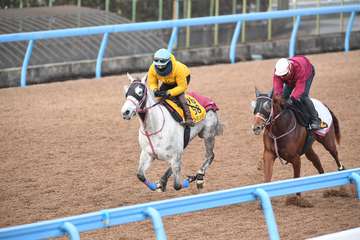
283,122
154,118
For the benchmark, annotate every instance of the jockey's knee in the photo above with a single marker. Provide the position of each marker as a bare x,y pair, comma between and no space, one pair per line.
141,177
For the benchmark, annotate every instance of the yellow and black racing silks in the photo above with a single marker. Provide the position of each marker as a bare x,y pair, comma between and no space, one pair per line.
176,76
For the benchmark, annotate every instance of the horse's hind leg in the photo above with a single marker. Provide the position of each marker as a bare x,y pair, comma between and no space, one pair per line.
164,179
144,164
209,157
329,144
314,158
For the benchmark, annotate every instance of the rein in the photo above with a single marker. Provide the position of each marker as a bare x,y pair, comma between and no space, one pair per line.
281,136
141,109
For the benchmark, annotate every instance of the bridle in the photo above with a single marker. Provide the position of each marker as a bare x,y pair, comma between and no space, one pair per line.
269,121
141,109
258,114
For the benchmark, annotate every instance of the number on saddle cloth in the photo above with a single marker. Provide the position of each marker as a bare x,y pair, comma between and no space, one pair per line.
198,112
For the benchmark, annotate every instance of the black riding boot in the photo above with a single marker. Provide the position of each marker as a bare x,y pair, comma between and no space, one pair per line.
187,115
315,120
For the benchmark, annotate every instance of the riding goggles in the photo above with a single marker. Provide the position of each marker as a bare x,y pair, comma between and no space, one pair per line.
160,62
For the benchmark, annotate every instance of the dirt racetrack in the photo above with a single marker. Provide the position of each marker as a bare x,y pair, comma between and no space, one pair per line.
65,150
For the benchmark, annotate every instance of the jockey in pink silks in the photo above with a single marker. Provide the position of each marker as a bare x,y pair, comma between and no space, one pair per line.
292,79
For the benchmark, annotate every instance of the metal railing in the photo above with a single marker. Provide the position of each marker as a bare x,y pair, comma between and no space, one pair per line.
72,226
175,25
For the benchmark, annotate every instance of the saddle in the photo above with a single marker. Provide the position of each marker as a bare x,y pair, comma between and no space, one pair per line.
198,106
301,114
304,118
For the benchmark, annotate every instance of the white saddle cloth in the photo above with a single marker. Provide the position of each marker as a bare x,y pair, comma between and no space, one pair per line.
324,115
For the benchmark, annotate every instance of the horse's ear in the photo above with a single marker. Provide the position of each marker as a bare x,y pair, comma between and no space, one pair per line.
130,77
257,93
253,105
126,88
144,79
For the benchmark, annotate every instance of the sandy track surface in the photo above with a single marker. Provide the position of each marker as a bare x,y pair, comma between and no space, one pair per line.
65,150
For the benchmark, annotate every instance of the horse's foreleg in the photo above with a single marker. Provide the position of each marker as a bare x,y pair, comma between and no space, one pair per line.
144,164
268,158
297,200
176,169
314,158
296,168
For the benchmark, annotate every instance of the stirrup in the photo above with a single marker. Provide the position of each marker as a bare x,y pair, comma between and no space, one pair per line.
323,125
315,127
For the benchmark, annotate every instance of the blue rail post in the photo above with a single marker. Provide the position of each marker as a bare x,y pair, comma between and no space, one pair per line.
101,54
173,39
268,213
71,230
106,218
157,223
292,47
234,40
354,177
26,63
348,31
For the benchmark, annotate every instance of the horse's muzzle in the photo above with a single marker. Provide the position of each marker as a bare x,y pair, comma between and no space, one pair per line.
127,115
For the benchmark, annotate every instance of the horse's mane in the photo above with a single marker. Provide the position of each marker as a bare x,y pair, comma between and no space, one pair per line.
278,103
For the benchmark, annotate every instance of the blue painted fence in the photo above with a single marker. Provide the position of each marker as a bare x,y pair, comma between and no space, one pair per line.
72,226
175,24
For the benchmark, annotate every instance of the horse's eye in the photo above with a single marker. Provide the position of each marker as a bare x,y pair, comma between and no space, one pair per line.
139,91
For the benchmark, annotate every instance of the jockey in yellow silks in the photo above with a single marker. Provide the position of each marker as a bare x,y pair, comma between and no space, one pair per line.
174,77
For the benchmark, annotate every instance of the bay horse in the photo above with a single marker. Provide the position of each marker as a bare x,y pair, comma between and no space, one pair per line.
286,139
162,138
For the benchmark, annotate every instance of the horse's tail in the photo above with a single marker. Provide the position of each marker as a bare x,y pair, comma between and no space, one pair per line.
336,127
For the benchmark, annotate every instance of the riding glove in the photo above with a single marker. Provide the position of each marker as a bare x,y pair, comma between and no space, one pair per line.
162,94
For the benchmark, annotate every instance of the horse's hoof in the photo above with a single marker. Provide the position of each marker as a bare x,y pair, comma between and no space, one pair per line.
160,187
200,184
341,192
200,181
298,201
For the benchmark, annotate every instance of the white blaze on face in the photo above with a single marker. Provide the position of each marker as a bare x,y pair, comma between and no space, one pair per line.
128,110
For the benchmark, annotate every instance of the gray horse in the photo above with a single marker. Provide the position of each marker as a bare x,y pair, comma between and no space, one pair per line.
162,138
